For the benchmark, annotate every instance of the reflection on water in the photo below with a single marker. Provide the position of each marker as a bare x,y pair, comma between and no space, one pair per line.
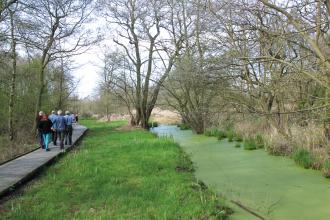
274,186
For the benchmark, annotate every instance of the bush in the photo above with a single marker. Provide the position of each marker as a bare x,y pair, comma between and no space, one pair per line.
250,144
221,135
303,158
86,115
237,145
326,169
184,126
278,145
230,135
152,124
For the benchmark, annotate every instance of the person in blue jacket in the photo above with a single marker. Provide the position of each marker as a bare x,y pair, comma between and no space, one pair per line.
68,134
60,126
52,117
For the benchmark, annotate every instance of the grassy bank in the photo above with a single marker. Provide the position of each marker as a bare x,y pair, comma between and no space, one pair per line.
10,150
117,174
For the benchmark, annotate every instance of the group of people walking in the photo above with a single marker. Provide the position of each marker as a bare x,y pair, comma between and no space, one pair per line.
55,126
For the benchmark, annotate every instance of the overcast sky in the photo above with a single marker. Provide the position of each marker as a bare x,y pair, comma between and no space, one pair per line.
89,63
87,72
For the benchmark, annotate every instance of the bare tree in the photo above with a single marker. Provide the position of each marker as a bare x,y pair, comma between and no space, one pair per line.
110,84
12,94
139,25
4,6
310,20
53,29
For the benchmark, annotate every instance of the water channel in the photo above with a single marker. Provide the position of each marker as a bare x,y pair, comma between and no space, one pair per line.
273,186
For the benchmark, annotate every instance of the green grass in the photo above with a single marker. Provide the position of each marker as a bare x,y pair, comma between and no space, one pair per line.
238,138
259,141
118,174
222,135
250,144
212,132
303,158
230,135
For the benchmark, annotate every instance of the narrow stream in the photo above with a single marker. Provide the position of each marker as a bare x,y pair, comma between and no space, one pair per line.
273,186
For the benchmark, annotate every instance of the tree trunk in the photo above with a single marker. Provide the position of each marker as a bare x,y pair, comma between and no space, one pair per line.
326,121
39,95
60,98
107,112
13,79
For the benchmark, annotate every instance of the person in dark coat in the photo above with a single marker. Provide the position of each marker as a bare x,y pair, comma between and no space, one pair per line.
45,127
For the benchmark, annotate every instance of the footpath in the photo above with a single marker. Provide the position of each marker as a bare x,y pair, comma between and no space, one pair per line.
22,169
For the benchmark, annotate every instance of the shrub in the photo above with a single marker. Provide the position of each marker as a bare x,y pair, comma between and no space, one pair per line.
184,126
303,158
152,124
326,169
250,144
237,145
278,145
221,135
86,115
230,135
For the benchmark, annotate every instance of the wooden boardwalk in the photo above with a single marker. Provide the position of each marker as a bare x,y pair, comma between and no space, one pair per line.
21,169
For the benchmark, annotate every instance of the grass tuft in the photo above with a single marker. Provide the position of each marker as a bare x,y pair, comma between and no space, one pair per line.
303,158
230,135
259,141
238,145
238,138
250,144
221,135
212,132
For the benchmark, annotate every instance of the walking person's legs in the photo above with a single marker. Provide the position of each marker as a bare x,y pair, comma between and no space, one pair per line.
69,134
54,137
58,136
61,136
46,140
66,136
41,140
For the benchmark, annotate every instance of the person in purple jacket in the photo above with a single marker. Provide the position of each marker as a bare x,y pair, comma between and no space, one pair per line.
60,126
